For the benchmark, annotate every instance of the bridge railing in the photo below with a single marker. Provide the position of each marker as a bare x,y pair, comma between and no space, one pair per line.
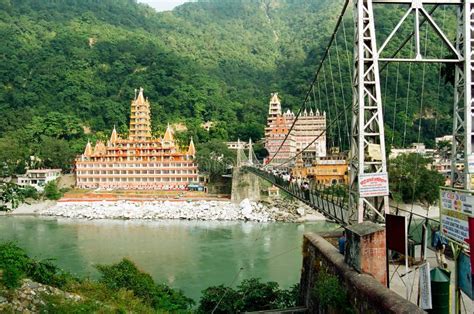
330,205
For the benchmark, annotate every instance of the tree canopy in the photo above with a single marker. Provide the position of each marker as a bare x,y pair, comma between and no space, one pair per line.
411,179
69,68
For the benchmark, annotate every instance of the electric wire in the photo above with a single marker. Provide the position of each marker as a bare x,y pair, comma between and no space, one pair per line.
314,100
319,99
343,95
328,106
334,97
419,131
395,104
439,75
316,138
348,55
407,99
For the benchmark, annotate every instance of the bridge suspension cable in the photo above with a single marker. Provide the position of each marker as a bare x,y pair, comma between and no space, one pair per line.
315,77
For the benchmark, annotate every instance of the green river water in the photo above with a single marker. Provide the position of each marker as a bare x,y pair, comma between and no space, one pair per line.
189,255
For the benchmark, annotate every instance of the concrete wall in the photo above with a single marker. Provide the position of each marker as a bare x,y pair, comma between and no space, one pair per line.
244,185
365,293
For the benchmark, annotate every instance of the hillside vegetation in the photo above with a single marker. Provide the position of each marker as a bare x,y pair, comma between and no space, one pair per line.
68,70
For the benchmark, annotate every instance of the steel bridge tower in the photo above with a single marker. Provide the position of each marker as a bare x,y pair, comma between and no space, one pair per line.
368,166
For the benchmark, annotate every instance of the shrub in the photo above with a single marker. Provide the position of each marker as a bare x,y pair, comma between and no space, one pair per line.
288,298
329,293
16,264
11,277
59,305
258,296
251,295
126,275
96,298
47,273
51,191
230,300
13,262
29,192
13,256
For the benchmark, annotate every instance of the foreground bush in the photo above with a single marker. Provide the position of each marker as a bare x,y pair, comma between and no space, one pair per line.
123,288
126,275
251,295
16,264
329,293
96,298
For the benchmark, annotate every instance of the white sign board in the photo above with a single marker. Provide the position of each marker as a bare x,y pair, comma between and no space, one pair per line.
455,208
470,163
425,287
373,184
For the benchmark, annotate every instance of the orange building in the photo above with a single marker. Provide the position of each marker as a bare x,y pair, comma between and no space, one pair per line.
139,161
324,170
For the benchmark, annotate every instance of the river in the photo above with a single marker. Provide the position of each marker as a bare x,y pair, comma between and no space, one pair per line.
189,255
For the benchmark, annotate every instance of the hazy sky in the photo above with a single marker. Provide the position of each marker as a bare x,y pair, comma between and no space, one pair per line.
163,5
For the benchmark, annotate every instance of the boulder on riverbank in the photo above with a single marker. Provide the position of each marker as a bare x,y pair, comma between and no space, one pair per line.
285,211
29,297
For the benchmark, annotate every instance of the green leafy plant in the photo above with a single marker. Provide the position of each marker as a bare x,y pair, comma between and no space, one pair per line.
221,300
126,275
411,180
250,295
11,195
11,277
16,264
13,263
29,192
328,292
51,191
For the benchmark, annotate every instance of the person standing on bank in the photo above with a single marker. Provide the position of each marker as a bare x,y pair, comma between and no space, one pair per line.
439,243
342,243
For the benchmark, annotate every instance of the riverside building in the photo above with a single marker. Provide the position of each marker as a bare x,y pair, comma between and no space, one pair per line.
139,161
307,128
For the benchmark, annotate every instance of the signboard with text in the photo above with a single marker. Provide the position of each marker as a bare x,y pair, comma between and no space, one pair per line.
470,163
373,184
456,206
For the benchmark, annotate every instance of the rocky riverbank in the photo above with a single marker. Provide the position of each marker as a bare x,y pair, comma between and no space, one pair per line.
29,297
278,210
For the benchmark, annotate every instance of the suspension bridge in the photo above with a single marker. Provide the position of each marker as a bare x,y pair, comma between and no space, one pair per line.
418,36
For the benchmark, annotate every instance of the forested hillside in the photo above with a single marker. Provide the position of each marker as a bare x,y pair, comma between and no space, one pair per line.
68,70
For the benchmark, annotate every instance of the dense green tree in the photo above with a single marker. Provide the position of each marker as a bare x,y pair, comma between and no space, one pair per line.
215,158
55,153
412,180
51,191
12,156
11,195
126,275
69,66
250,295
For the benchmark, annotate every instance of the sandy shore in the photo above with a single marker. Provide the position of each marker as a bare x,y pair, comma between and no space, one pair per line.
31,208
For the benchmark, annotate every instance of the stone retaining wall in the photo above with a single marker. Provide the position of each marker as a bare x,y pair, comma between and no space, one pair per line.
365,294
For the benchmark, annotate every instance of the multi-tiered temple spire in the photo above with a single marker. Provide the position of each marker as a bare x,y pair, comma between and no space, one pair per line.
139,161
275,105
140,124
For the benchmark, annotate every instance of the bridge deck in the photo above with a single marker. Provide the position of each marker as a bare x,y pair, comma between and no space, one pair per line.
334,208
